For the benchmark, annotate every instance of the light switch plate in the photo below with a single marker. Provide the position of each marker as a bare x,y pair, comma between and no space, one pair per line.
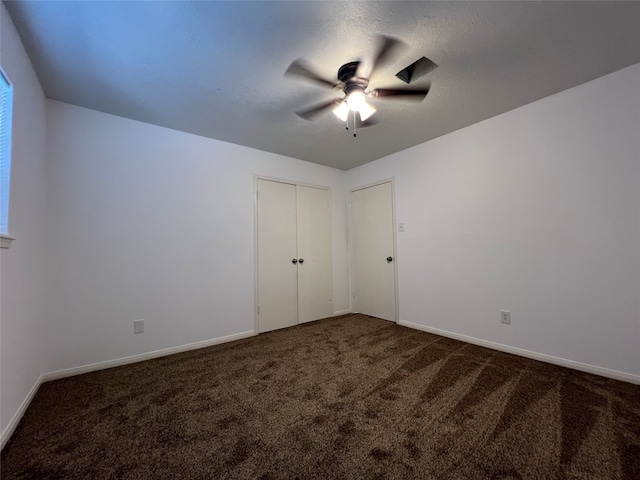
138,326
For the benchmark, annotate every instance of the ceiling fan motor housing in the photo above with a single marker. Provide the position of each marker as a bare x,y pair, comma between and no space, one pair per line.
348,71
350,82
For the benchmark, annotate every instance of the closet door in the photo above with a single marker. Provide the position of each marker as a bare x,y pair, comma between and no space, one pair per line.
315,279
277,275
373,272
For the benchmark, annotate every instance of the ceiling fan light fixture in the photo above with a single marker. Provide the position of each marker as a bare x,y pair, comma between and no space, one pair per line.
341,111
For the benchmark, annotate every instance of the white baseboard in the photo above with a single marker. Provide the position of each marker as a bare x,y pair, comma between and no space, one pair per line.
69,372
342,312
563,362
8,431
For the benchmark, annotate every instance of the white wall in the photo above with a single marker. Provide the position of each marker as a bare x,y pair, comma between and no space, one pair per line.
22,289
147,222
535,211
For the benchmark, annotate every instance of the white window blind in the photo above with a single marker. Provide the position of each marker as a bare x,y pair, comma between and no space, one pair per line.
6,107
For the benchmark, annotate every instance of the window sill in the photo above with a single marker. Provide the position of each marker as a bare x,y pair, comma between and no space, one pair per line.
5,240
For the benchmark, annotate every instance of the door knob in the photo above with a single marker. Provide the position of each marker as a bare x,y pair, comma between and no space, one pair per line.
301,261
389,259
294,261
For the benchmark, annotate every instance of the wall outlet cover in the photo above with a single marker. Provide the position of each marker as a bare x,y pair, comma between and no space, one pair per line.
505,317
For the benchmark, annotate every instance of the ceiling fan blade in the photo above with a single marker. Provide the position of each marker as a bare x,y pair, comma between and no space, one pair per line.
416,70
416,94
313,112
387,46
299,68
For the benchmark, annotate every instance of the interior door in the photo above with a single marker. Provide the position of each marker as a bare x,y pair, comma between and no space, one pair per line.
315,282
372,250
277,247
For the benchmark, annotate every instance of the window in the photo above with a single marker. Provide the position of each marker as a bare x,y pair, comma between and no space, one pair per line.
6,107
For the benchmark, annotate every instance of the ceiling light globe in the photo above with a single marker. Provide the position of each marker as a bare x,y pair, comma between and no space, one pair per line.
355,100
366,111
341,111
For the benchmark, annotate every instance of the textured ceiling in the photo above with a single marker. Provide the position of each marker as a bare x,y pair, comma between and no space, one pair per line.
216,68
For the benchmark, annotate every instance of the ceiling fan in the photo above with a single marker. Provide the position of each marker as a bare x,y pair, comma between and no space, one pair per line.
354,84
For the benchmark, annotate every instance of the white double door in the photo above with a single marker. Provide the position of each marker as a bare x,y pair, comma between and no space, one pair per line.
294,254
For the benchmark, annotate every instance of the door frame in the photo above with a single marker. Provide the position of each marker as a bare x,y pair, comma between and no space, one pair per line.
391,180
256,177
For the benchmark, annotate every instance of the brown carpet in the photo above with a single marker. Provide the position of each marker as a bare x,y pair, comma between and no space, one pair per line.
348,397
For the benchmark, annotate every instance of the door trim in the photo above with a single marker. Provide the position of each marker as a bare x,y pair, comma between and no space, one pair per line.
256,177
391,180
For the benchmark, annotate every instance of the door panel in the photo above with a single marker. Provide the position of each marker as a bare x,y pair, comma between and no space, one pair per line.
373,277
277,275
315,282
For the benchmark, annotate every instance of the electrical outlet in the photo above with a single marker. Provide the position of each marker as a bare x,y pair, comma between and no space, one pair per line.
401,227
138,326
505,317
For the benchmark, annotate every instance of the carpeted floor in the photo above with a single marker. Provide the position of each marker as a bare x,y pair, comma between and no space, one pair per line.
348,397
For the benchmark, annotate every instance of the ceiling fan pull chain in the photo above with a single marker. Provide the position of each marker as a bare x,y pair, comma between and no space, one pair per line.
354,124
